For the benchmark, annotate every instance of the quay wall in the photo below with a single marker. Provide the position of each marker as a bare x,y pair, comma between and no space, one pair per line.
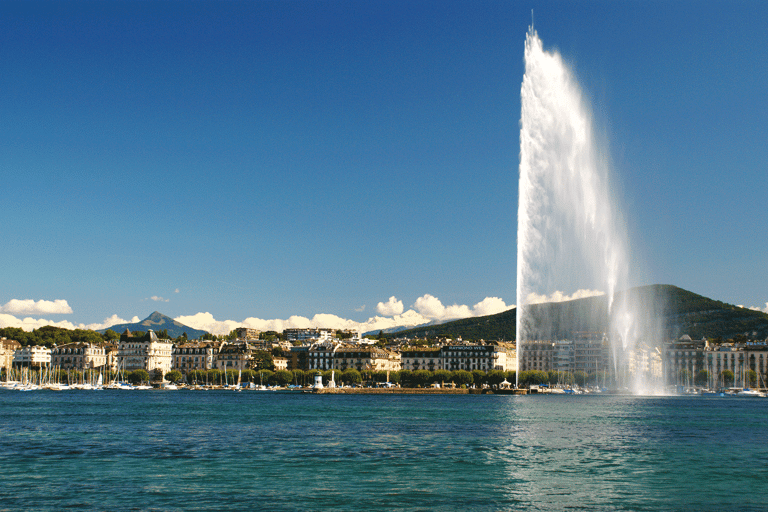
410,391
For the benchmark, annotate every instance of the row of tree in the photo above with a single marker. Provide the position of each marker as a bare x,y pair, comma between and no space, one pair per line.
405,378
725,378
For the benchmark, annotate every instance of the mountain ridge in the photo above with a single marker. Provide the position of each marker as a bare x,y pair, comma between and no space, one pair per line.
672,310
158,322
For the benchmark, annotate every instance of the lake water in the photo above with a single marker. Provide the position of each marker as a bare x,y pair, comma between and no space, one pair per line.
220,450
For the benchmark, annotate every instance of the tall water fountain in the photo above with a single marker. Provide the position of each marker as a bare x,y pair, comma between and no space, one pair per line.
570,234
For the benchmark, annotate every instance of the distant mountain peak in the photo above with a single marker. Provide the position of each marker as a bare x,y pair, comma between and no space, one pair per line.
158,322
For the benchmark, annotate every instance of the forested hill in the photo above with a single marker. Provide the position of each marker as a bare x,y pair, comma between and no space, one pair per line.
671,310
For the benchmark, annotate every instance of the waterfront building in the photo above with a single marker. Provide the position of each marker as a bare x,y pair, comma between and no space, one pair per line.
111,351
365,357
536,355
644,361
477,357
685,358
320,355
591,352
281,363
146,352
80,356
418,358
485,357
586,351
738,358
7,350
195,355
235,356
33,356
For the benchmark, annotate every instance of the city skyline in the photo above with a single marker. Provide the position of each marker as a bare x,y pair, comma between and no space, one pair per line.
296,164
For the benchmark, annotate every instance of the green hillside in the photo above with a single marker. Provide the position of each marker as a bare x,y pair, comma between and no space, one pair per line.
670,310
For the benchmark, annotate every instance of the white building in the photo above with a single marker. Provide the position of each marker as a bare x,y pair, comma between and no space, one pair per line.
79,356
494,356
32,355
195,355
144,353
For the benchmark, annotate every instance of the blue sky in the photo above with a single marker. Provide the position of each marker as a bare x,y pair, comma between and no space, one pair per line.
226,161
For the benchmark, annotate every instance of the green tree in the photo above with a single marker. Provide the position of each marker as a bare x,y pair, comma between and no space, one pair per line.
266,377
478,377
283,377
461,377
495,377
299,377
701,378
262,360
215,377
726,376
422,378
110,335
580,377
138,376
380,376
351,376
173,376
442,376
196,376
231,377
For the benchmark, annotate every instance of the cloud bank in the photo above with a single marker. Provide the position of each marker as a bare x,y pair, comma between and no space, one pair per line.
755,308
29,324
391,313
41,307
535,298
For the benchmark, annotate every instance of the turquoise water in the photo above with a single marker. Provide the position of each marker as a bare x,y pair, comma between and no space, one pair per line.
219,450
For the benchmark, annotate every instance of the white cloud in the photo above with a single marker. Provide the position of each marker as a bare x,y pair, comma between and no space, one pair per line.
360,309
427,308
756,308
535,298
29,324
490,306
41,307
390,308
433,309
176,290
108,322
206,322
159,299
